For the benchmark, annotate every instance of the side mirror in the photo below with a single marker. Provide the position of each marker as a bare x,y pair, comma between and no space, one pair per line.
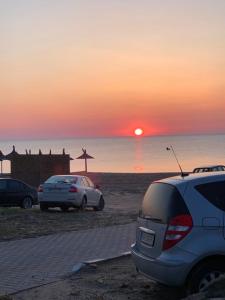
97,186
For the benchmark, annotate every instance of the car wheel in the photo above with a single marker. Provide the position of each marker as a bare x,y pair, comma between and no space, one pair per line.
100,205
203,276
43,207
64,208
83,203
27,203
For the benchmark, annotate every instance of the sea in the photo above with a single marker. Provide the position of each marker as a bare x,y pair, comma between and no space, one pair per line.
129,154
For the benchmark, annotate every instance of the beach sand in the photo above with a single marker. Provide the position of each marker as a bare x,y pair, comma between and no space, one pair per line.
123,194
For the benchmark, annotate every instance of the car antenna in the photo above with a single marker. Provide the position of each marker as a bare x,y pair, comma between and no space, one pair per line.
181,171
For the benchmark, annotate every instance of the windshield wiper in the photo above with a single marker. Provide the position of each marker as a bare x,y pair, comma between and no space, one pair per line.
153,219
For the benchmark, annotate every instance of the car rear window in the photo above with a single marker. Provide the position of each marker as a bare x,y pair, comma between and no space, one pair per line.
62,179
162,202
214,192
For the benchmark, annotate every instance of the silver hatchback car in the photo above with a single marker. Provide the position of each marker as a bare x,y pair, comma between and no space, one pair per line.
67,191
180,237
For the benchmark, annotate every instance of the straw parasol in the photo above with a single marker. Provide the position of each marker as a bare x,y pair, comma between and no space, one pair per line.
85,156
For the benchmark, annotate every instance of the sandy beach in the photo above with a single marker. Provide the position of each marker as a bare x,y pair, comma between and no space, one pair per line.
123,194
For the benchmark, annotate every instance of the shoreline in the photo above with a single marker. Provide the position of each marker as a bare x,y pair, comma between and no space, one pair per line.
125,182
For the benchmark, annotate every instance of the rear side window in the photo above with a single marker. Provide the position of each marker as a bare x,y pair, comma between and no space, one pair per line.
214,192
162,202
15,186
90,183
2,185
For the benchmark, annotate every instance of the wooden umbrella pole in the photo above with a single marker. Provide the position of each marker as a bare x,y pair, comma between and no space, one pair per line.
86,165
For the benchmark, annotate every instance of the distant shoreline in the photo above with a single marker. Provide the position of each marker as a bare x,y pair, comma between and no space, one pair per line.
125,182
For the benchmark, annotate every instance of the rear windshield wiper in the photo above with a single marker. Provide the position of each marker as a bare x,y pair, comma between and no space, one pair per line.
152,219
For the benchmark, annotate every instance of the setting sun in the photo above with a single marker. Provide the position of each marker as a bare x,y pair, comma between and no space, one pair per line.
138,131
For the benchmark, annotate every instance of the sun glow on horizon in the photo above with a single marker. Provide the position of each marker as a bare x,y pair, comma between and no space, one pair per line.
138,131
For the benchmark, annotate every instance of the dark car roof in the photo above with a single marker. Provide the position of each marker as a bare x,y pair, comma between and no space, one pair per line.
7,178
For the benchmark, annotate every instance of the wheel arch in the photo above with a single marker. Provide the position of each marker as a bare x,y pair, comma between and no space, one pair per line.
31,197
205,260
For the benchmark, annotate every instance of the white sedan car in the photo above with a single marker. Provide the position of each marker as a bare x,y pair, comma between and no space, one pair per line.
67,191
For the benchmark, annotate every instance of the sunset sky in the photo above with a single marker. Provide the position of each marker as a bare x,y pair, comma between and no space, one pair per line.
104,67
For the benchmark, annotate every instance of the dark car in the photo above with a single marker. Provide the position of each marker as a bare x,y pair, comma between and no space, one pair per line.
14,192
212,168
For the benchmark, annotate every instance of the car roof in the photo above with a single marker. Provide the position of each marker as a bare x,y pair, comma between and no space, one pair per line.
7,178
196,177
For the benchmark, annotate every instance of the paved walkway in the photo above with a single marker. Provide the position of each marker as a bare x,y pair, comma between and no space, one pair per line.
35,261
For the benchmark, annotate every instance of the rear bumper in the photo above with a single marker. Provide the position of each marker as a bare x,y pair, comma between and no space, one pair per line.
60,203
169,272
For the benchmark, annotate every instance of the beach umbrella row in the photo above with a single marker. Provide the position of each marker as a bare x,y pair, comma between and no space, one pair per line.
84,156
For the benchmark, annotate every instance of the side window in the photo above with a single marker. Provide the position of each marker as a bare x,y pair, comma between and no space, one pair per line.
2,185
90,183
14,186
214,192
85,183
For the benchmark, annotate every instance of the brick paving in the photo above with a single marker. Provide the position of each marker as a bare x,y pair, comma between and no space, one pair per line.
32,262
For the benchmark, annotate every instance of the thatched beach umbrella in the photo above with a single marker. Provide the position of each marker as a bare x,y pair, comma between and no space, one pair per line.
85,156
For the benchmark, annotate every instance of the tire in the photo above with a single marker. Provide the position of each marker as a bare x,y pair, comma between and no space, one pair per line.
43,207
27,203
83,203
64,208
101,204
204,275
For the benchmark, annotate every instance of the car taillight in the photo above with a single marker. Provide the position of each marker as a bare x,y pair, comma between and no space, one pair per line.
177,229
40,189
73,189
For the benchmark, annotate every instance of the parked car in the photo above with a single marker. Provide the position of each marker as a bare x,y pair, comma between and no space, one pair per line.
67,191
212,168
180,236
17,193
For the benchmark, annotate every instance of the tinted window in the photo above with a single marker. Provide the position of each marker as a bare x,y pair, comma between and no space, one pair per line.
214,192
220,168
2,184
62,179
197,170
14,185
162,202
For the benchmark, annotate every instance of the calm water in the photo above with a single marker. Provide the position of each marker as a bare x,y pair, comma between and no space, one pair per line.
145,154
